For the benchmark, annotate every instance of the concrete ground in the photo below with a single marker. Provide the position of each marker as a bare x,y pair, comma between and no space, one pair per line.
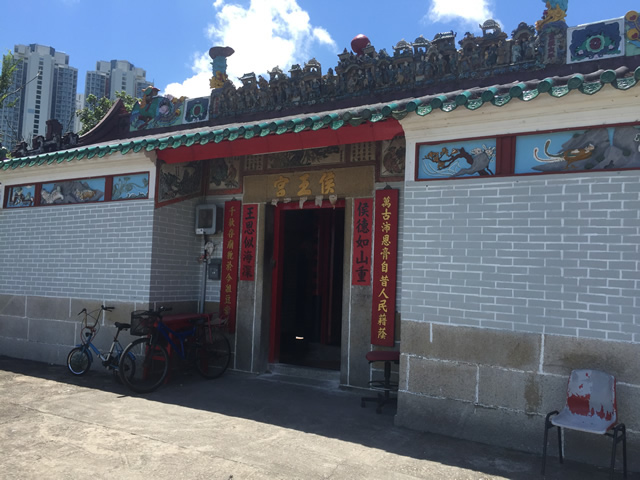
240,426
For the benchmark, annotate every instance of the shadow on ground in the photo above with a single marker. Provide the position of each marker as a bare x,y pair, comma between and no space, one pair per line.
316,408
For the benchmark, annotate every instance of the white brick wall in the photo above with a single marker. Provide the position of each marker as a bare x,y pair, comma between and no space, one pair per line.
548,254
176,273
100,250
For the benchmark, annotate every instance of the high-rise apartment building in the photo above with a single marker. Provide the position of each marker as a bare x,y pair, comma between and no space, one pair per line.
44,86
115,76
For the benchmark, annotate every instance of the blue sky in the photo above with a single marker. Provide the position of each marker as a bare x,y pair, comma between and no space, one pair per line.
170,39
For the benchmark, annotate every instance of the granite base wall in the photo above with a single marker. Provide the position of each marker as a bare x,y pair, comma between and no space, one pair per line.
496,387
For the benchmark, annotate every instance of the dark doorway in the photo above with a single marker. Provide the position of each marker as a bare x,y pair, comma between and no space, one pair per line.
310,290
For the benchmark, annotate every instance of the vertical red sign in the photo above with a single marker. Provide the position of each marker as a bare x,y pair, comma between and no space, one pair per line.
230,253
362,229
248,248
385,263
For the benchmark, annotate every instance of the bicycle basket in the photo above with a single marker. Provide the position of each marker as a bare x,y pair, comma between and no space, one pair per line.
142,322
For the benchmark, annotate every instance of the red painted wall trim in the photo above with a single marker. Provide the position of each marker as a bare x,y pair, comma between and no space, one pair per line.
368,132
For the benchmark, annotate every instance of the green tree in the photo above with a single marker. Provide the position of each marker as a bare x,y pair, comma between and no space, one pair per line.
9,65
96,108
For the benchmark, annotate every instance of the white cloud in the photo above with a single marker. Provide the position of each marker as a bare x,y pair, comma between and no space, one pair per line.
467,11
267,34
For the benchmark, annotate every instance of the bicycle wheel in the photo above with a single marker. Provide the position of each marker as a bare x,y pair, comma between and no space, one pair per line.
213,354
127,365
78,361
143,365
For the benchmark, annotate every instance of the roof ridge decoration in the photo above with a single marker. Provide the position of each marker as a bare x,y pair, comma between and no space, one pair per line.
622,79
421,65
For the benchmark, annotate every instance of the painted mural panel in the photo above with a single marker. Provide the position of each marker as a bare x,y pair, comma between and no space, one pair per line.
73,191
393,157
23,196
596,40
632,32
127,187
224,175
596,149
457,159
178,181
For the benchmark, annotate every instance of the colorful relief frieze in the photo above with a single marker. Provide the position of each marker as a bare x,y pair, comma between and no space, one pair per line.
596,40
196,110
596,149
457,159
129,187
632,32
155,111
73,191
179,181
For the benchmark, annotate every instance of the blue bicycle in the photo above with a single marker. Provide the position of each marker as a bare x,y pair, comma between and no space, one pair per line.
80,358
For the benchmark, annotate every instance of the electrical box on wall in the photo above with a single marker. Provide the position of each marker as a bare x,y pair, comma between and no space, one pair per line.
214,269
208,219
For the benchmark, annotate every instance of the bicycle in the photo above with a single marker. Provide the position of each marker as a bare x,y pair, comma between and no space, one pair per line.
80,357
202,344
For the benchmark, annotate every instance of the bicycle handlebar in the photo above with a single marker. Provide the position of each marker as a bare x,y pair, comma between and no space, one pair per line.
108,309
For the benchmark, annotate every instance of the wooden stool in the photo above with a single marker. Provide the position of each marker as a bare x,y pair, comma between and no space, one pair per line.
386,356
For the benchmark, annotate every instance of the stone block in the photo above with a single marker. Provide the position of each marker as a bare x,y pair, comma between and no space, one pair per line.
442,379
14,327
50,308
465,420
50,333
13,305
78,304
15,347
506,349
628,400
563,354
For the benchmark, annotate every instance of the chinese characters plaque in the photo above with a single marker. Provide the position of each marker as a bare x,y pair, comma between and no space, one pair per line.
385,260
230,253
248,246
362,229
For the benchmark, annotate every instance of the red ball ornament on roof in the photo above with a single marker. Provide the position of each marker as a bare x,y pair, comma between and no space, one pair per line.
358,44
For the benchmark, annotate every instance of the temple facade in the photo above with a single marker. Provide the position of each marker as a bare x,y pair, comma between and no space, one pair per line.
472,203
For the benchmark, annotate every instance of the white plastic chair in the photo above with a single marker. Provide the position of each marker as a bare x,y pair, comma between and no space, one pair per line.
591,407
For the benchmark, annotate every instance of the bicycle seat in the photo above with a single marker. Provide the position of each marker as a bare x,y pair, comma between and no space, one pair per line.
122,326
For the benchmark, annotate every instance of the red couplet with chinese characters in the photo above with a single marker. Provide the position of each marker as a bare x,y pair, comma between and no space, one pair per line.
362,229
385,262
248,245
230,254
